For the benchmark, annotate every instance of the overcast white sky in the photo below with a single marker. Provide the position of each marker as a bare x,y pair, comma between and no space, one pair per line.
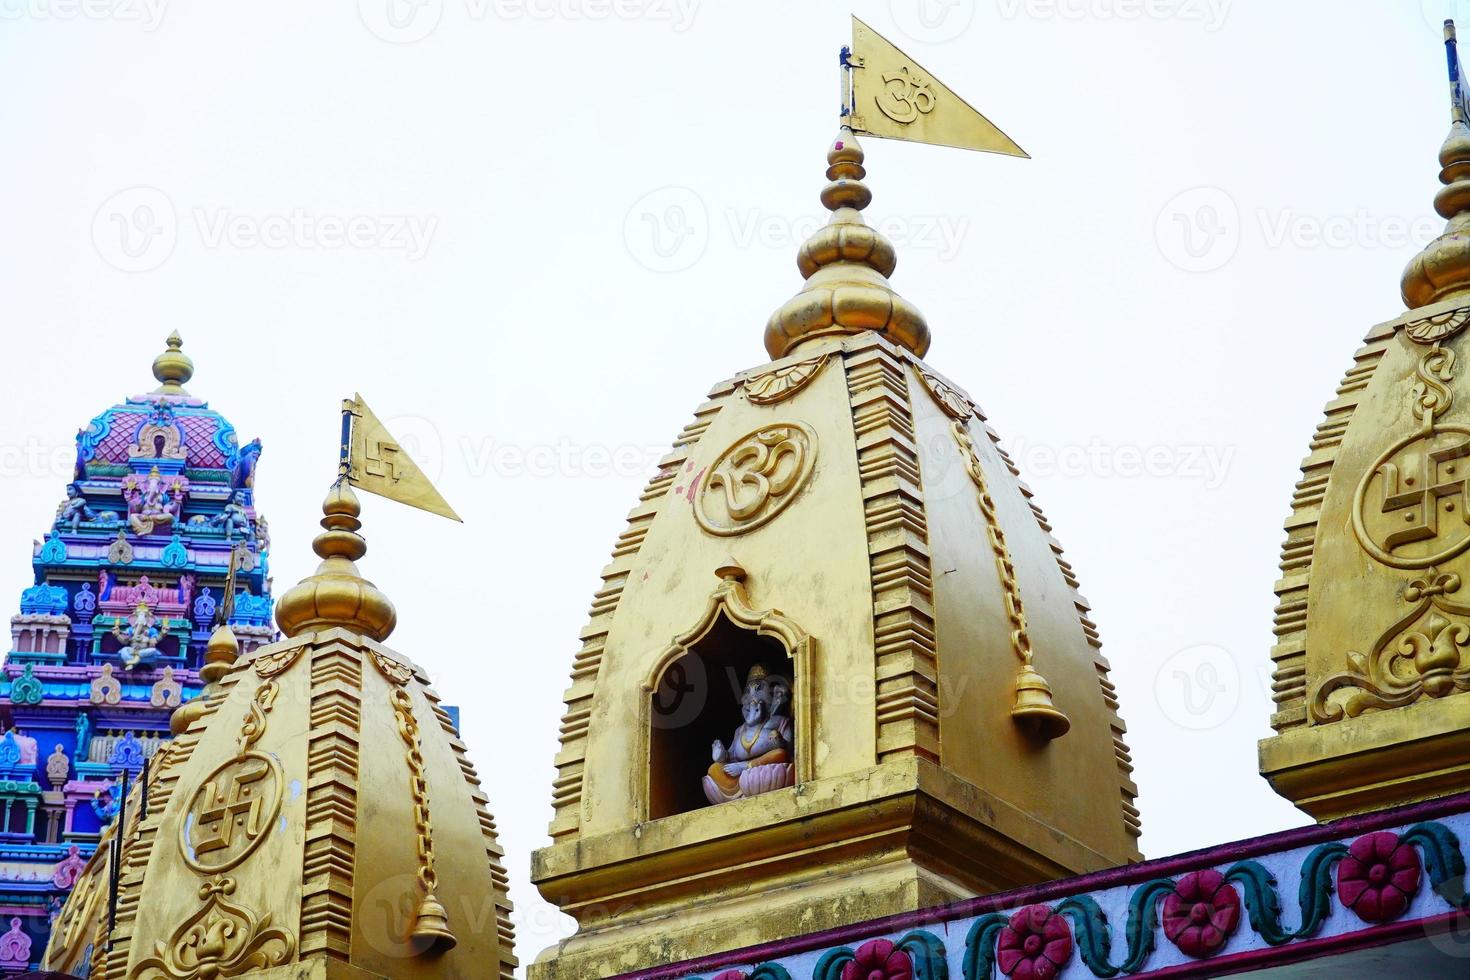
568,218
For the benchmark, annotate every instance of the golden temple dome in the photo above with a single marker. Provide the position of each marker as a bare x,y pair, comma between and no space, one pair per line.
315,817
173,368
838,564
1371,685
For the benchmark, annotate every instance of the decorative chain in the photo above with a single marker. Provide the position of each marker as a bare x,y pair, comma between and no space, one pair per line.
1015,611
418,785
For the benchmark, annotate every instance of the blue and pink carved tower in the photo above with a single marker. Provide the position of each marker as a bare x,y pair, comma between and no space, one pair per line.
158,528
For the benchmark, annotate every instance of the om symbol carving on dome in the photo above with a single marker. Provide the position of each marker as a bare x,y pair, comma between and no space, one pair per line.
1412,507
231,813
756,478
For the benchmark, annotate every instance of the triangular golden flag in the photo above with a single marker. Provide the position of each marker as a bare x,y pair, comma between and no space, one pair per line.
894,97
377,463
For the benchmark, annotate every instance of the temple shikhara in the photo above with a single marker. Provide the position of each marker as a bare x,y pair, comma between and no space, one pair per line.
840,710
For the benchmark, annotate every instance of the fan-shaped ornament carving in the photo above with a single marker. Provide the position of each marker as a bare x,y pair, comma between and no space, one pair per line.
781,384
947,397
1439,326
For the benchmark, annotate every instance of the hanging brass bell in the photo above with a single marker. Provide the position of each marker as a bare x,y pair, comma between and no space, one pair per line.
1034,713
431,928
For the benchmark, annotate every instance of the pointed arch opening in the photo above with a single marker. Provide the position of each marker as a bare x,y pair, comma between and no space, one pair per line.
726,708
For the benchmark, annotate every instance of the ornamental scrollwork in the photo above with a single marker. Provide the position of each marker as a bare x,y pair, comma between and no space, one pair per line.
1421,655
222,939
756,478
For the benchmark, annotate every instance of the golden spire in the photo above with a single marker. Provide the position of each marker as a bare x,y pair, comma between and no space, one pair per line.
173,368
846,265
1442,270
337,595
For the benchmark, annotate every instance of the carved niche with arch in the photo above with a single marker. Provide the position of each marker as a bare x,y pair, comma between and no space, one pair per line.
692,695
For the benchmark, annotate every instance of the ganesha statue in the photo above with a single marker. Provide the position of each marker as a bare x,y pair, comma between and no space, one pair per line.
760,756
140,637
151,504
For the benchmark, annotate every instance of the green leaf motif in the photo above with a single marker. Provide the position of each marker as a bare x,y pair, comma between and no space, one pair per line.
1315,894
829,967
980,946
1143,917
927,952
1442,858
1093,934
1262,903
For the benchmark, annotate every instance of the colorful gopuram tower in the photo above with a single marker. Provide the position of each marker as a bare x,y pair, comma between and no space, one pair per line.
131,575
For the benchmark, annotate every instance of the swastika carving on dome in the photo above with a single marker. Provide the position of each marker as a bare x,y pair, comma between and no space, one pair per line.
231,813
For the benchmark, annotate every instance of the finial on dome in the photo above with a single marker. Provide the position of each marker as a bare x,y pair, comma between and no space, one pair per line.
337,595
173,368
220,654
846,265
1442,270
